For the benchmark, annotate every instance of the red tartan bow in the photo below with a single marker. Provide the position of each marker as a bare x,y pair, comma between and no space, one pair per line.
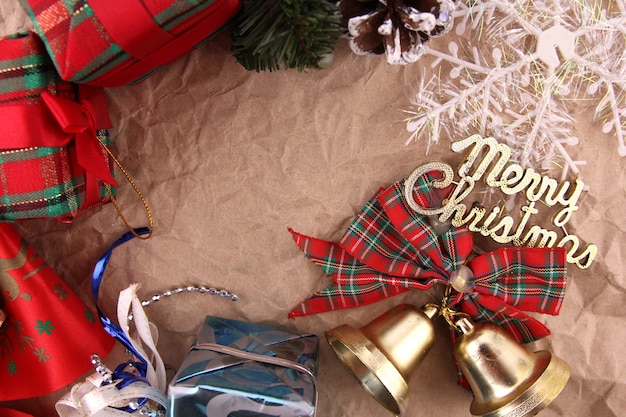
81,120
389,249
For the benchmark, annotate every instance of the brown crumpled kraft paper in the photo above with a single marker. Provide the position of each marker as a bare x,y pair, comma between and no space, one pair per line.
229,159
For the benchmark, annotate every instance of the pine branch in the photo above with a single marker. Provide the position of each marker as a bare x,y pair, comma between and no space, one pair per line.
275,34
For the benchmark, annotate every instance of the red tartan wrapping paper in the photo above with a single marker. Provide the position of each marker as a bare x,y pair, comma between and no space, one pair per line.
228,159
51,137
115,42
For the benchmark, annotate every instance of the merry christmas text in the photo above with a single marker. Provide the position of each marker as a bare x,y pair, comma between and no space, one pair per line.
494,167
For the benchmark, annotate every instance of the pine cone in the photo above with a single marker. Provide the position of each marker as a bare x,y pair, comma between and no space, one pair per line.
395,27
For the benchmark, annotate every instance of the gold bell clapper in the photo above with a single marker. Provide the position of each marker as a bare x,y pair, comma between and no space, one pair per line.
383,354
507,380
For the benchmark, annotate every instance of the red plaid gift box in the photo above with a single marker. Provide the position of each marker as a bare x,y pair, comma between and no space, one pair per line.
52,159
115,42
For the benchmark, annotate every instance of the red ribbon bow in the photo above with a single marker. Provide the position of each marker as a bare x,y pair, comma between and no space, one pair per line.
80,122
389,249
58,122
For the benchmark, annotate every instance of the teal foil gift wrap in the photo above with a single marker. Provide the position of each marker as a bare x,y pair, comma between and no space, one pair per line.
240,369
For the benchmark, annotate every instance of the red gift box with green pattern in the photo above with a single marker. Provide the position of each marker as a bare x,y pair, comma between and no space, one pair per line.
111,43
53,134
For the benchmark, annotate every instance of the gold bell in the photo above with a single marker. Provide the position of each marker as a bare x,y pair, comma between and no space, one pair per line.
507,380
383,353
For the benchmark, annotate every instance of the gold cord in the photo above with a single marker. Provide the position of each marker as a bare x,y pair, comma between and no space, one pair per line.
141,197
446,312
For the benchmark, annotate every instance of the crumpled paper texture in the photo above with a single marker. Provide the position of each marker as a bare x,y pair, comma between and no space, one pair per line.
228,159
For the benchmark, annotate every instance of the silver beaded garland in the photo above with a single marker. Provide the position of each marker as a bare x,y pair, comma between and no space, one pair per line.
105,373
149,409
190,288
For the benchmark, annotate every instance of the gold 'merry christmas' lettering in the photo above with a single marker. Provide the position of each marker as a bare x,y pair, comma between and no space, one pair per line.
494,167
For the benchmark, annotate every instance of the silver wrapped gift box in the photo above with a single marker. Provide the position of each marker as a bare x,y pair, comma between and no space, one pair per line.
240,369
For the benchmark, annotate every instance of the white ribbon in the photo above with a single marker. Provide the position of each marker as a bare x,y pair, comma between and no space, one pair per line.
92,399
128,300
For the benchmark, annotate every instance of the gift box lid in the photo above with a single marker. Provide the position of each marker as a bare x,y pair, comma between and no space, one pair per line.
110,43
248,337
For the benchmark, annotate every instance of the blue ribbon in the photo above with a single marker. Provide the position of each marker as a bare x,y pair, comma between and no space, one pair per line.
113,329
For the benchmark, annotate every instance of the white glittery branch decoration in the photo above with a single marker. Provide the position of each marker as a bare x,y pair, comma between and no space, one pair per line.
515,70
